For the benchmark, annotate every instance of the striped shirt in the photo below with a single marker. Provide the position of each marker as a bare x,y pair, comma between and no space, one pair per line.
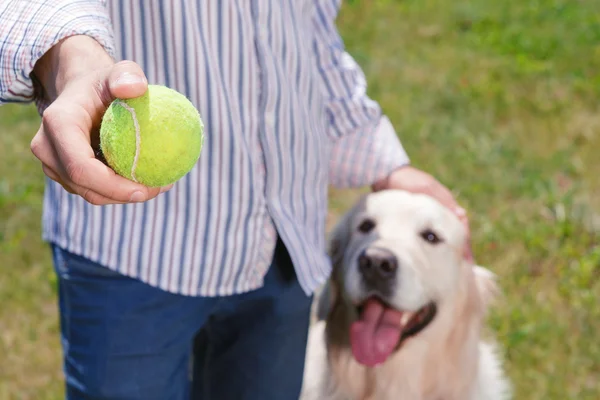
286,115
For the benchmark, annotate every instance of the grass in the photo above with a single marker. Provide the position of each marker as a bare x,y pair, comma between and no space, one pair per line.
29,342
497,100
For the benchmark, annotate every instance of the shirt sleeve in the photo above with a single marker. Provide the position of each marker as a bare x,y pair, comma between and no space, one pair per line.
29,28
366,147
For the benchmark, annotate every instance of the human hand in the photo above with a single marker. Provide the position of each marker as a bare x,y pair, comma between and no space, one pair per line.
416,181
81,80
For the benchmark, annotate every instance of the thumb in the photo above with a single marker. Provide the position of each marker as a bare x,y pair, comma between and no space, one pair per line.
126,80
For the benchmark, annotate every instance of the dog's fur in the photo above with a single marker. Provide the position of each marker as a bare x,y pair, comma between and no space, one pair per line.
448,360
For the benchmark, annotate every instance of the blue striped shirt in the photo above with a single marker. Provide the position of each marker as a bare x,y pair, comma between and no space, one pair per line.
286,115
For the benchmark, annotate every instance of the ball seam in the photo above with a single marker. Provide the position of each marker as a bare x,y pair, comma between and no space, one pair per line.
138,138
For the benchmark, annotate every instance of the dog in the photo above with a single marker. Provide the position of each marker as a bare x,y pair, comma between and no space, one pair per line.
402,315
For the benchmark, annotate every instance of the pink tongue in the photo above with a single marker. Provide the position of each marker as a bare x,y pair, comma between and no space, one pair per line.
376,334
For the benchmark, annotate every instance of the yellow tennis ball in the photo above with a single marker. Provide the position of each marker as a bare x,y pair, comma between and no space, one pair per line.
154,139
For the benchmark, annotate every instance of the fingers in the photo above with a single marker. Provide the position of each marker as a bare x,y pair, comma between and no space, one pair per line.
55,177
464,219
468,251
69,160
445,197
126,80
91,197
417,181
96,182
42,149
64,142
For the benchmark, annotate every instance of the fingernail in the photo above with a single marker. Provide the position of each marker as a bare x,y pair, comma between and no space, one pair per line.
166,188
127,78
137,197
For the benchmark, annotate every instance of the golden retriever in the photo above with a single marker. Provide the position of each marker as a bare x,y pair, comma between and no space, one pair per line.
402,315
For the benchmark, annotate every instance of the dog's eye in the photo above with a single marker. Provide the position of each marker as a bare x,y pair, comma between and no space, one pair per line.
430,236
366,226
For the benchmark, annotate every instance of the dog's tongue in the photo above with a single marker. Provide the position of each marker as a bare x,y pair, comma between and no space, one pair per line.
376,334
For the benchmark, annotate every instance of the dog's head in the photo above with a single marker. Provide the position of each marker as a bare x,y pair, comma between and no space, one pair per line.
398,262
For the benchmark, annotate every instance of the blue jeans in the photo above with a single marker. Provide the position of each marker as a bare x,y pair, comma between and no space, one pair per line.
123,339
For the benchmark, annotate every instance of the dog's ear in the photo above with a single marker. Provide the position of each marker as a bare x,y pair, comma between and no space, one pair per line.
338,241
337,244
326,300
486,285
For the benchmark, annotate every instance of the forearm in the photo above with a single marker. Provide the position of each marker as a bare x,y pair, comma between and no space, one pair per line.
25,39
67,60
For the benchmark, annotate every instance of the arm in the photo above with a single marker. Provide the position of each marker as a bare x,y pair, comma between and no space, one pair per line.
367,150
366,147
28,29
58,53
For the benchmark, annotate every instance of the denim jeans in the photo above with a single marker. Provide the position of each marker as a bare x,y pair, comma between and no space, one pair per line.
123,339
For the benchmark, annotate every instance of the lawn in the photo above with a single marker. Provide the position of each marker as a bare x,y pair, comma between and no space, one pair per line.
499,100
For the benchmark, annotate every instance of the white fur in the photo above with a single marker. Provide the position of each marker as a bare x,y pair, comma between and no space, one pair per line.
445,361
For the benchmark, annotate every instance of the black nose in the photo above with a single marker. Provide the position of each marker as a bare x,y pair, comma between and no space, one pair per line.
377,263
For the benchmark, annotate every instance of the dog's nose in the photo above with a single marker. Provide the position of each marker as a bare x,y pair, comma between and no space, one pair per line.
377,263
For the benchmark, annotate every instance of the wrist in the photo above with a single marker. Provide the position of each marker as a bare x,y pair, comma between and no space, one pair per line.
67,60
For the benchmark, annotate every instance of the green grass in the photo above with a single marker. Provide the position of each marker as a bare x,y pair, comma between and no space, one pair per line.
29,342
499,100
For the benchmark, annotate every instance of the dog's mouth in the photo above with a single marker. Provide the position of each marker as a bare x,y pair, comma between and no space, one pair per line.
381,329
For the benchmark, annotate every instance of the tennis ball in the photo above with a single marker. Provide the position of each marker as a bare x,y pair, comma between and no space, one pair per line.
154,139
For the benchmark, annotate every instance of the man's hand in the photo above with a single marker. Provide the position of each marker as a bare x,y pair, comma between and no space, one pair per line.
413,180
81,80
